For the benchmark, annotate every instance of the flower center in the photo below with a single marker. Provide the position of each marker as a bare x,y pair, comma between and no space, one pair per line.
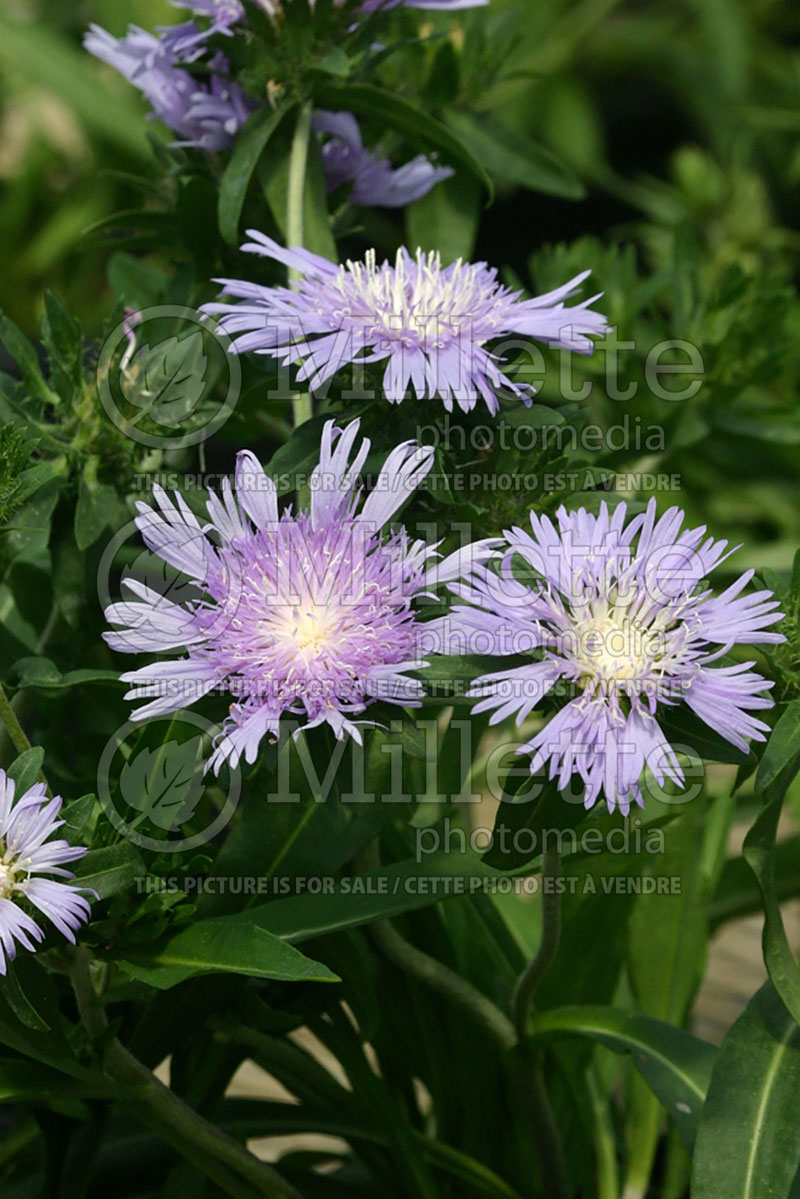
8,874
310,631
614,649
413,302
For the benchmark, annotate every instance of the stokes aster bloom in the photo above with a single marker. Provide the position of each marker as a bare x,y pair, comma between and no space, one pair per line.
310,613
206,115
345,160
429,323
26,858
617,611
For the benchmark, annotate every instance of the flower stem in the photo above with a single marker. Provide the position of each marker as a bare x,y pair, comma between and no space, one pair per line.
237,1171
444,980
432,972
16,733
295,199
536,969
15,729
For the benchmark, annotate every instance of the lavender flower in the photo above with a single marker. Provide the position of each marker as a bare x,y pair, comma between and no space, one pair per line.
346,160
627,627
187,42
206,115
26,858
429,323
309,613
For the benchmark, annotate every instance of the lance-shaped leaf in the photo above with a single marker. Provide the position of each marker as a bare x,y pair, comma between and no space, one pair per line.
748,1143
676,1065
251,142
759,853
237,945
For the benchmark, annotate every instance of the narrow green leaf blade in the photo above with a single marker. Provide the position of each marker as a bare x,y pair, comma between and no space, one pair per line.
676,1065
226,945
748,1143
251,142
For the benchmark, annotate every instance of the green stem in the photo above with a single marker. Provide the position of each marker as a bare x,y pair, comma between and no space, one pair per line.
536,969
15,729
237,1171
432,972
441,978
15,732
298,159
11,729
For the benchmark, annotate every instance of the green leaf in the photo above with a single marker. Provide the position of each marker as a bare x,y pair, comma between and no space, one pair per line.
665,959
38,476
25,355
110,869
422,130
748,1143
95,507
738,893
549,810
25,769
76,816
402,887
759,853
25,971
448,676
335,63
31,1082
510,155
782,748
251,142
675,1065
686,731
251,1116
61,336
134,282
446,219
42,672
237,945
298,455
50,1047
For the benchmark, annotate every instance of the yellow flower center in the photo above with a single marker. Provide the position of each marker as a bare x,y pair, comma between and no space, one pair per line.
615,649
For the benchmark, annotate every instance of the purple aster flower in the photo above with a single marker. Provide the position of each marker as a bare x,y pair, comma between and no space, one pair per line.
27,857
187,42
619,615
346,160
429,323
309,613
206,115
